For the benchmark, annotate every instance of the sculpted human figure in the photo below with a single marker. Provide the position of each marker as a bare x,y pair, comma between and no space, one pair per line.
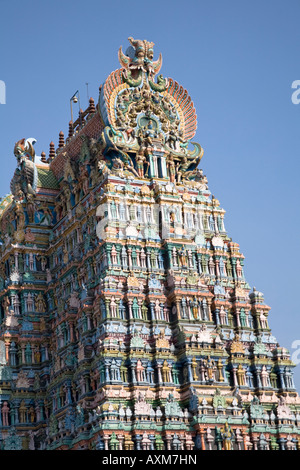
157,309
194,306
43,262
172,139
264,376
183,166
40,304
84,179
182,257
58,209
20,216
46,218
66,198
210,368
6,305
227,436
5,414
32,414
145,136
240,375
140,161
222,315
171,167
165,371
29,236
37,355
31,261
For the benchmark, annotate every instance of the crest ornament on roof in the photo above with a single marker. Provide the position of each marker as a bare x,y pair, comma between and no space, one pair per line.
149,120
139,59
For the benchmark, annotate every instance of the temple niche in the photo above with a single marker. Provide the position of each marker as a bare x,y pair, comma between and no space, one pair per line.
126,320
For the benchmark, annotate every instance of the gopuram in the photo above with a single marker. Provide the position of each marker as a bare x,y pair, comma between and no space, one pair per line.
126,319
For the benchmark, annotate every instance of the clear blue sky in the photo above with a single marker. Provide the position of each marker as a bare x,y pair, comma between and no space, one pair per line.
237,59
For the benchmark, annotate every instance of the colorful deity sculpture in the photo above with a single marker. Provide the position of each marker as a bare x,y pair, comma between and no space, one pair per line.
24,181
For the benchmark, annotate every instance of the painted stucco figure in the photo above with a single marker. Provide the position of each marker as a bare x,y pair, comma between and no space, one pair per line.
24,181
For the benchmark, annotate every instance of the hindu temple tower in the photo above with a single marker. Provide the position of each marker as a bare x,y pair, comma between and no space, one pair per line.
126,319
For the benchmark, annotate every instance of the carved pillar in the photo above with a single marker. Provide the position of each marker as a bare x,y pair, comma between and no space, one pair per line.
244,434
7,346
178,309
235,382
71,328
23,353
209,309
220,369
201,433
